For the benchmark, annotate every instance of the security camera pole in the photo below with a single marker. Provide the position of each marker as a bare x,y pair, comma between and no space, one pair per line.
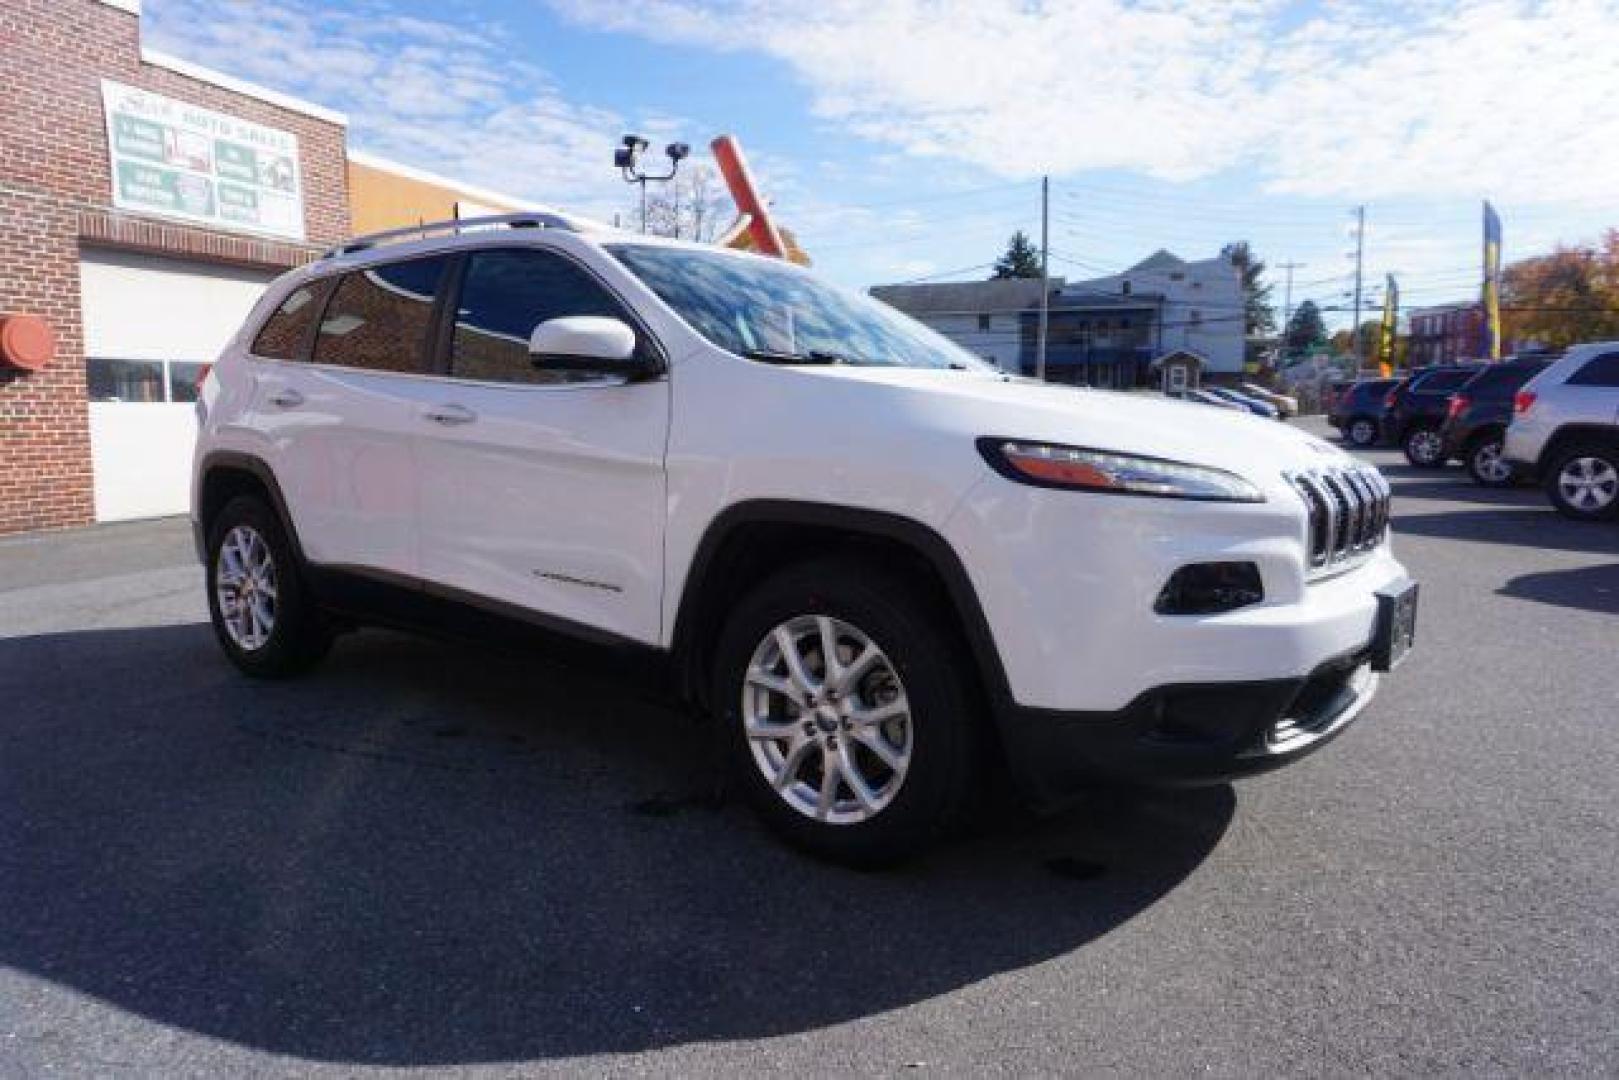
627,159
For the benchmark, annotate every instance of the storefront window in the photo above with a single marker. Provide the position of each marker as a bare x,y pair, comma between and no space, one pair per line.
125,380
142,381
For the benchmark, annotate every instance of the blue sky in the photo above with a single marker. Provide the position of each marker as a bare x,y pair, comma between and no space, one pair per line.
906,138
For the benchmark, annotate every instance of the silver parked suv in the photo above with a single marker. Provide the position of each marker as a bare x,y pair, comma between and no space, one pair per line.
1565,429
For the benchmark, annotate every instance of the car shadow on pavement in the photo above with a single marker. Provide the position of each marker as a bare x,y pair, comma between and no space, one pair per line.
1533,528
1586,588
422,855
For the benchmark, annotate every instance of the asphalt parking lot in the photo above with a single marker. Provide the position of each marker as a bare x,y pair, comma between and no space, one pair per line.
426,856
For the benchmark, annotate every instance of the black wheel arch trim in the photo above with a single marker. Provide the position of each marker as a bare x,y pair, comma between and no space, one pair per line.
238,461
1558,441
877,524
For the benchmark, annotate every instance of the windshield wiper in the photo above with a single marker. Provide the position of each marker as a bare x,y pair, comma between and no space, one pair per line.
814,356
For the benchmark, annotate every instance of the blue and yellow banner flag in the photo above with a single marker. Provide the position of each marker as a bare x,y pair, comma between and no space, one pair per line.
1386,336
1492,283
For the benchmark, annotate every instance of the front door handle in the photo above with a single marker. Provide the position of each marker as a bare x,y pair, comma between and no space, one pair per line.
287,399
450,415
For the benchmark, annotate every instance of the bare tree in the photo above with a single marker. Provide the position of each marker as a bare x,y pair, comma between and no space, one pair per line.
692,206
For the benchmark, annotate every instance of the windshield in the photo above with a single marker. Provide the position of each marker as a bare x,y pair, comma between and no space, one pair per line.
776,312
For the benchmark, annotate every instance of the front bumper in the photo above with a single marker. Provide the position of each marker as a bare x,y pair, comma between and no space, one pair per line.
1186,735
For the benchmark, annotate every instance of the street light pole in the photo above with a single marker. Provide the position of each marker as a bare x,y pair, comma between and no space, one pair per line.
627,160
1287,302
1360,251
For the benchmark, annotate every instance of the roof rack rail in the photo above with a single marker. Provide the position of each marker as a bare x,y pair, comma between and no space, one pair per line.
534,219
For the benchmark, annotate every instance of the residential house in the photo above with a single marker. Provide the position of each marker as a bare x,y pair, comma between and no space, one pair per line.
1105,331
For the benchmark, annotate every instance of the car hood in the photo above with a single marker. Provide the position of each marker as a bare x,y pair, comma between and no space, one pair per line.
990,404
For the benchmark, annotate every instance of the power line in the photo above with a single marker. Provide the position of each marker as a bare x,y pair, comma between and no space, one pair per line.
936,197
945,273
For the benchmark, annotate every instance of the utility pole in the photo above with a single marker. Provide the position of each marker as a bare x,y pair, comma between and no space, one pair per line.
1287,302
1360,253
1045,278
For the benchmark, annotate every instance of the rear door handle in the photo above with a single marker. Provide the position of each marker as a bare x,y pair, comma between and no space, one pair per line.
450,415
287,399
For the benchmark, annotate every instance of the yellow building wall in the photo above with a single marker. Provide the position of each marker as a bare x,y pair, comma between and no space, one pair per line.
379,199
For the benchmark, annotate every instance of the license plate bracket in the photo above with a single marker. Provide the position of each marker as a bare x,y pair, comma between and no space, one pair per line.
1396,628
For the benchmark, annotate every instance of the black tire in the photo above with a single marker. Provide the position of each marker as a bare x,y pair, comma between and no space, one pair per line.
915,637
1361,431
1604,460
299,635
1484,462
1423,447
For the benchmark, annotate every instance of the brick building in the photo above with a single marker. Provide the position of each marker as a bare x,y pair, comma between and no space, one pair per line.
145,202
1446,333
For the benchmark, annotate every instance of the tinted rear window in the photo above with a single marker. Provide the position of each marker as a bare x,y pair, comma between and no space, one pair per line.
1503,381
378,318
1441,382
283,335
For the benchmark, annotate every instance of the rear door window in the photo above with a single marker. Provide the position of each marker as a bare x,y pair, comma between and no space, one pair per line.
379,318
1600,370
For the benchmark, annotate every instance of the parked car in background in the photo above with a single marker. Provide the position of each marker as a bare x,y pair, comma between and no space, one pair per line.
1478,414
1287,406
1565,430
1415,411
1357,412
1252,404
1204,397
1332,391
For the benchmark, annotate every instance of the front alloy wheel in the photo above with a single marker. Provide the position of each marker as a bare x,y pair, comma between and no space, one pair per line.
847,704
827,719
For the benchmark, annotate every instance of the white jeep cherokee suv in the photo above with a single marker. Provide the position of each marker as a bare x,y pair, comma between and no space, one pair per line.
876,562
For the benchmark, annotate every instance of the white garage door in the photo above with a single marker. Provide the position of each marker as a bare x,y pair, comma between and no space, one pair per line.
150,324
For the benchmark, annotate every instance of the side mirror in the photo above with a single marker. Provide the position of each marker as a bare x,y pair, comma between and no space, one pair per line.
588,343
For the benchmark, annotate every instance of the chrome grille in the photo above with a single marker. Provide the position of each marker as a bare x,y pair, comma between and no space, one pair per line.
1347,508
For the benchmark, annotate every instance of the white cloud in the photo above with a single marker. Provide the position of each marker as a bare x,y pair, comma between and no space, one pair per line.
1356,98
438,95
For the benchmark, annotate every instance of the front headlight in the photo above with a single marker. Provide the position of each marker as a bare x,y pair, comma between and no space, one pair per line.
1077,468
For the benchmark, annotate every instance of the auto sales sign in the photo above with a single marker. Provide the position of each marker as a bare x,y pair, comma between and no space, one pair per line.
182,161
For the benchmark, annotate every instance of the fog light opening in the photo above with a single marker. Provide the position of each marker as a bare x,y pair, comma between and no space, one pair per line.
1210,588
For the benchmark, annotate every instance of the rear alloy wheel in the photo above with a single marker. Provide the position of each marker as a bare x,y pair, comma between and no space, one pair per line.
1486,465
262,614
1584,484
245,588
1424,448
1361,431
848,709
